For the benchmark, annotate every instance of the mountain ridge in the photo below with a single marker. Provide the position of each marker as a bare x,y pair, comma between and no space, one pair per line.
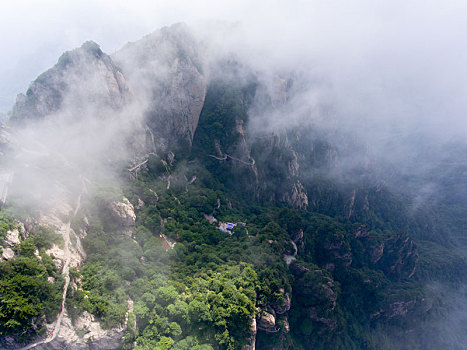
191,155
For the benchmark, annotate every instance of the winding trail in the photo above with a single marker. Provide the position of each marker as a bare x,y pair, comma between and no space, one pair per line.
137,166
251,163
66,274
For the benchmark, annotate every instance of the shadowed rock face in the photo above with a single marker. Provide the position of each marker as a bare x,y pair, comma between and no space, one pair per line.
167,71
400,257
316,294
267,322
166,76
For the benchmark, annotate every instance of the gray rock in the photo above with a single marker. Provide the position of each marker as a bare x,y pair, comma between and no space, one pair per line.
167,68
8,253
124,214
140,204
400,308
12,238
297,197
297,237
267,322
253,332
377,252
286,328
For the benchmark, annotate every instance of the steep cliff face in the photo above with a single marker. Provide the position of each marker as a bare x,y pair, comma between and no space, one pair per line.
400,256
162,77
168,74
279,170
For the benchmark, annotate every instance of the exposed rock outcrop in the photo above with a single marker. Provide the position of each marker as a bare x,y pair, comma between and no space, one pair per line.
266,322
278,157
376,252
8,253
253,331
395,254
400,308
336,249
86,333
400,257
59,226
12,238
297,196
291,257
361,231
124,215
286,325
167,71
297,237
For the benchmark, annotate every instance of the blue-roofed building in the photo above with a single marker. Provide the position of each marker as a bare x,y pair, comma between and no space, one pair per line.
230,226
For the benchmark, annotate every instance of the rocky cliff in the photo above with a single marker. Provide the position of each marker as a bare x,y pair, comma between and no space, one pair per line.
85,78
168,74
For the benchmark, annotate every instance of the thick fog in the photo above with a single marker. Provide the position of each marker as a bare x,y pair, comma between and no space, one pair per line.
386,70
372,60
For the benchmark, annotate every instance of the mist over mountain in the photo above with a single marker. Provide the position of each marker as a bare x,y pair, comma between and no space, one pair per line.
195,190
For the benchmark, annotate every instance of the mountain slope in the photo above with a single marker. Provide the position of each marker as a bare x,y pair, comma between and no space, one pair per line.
197,230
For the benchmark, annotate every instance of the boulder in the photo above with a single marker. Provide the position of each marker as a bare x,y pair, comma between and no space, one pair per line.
8,253
124,215
266,322
12,238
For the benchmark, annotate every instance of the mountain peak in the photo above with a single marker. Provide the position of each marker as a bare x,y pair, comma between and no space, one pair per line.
81,75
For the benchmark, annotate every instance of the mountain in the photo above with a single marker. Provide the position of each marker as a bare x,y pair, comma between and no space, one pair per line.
158,198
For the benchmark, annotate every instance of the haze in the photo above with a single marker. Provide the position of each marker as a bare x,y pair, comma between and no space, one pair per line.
399,60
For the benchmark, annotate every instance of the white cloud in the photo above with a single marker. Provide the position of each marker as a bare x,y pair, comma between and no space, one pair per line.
408,56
